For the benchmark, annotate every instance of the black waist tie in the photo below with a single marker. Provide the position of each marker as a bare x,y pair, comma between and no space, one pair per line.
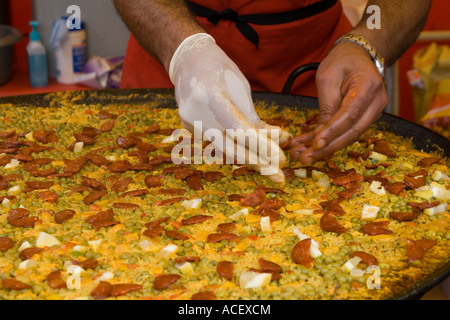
242,22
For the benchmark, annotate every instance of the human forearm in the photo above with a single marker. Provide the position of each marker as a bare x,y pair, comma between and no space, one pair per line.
401,23
158,25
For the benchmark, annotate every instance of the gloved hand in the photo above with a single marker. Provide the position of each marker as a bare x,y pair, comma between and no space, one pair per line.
351,96
210,88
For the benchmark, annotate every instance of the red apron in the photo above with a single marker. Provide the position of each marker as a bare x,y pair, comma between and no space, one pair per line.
281,48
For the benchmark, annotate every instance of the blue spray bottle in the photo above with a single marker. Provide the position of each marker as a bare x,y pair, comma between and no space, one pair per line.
37,59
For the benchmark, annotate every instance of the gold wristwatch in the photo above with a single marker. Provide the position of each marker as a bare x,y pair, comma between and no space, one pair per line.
376,58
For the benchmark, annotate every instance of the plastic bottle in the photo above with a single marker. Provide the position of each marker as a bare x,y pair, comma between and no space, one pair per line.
70,51
37,59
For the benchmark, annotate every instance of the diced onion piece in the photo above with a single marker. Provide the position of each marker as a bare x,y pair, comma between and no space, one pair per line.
79,248
74,269
376,187
239,214
168,139
185,268
438,175
321,178
306,212
6,203
406,165
168,250
435,210
369,212
251,279
150,245
265,224
377,156
350,264
29,136
12,164
78,147
111,158
439,191
192,204
46,240
13,191
427,195
108,275
301,173
26,264
24,245
357,273
95,244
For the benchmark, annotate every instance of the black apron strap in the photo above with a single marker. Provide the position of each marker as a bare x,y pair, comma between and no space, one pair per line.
242,22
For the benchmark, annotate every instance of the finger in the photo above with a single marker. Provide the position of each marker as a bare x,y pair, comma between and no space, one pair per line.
359,95
328,93
275,133
309,155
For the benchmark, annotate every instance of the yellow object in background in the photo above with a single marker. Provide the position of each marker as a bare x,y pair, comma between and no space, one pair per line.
430,79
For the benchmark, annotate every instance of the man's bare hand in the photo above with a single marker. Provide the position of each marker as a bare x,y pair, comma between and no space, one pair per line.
351,97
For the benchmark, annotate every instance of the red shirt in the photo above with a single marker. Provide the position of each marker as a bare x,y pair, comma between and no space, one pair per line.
282,47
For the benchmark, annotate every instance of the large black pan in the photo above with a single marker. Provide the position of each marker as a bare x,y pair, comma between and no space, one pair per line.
422,137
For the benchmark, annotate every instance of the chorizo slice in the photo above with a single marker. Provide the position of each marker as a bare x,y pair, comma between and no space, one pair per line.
383,147
101,291
404,216
153,128
39,184
107,125
365,257
121,289
153,181
243,171
203,295
94,196
195,219
217,237
301,253
88,263
49,196
121,184
268,266
135,193
177,235
418,248
329,223
226,227
6,243
103,114
253,199
396,187
92,183
27,253
414,182
376,228
333,206
13,284
120,166
427,162
194,183
20,217
212,176
64,215
165,281
423,205
55,280
172,192
225,269
170,201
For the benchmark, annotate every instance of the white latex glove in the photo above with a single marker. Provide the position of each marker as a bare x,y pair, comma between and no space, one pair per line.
210,88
